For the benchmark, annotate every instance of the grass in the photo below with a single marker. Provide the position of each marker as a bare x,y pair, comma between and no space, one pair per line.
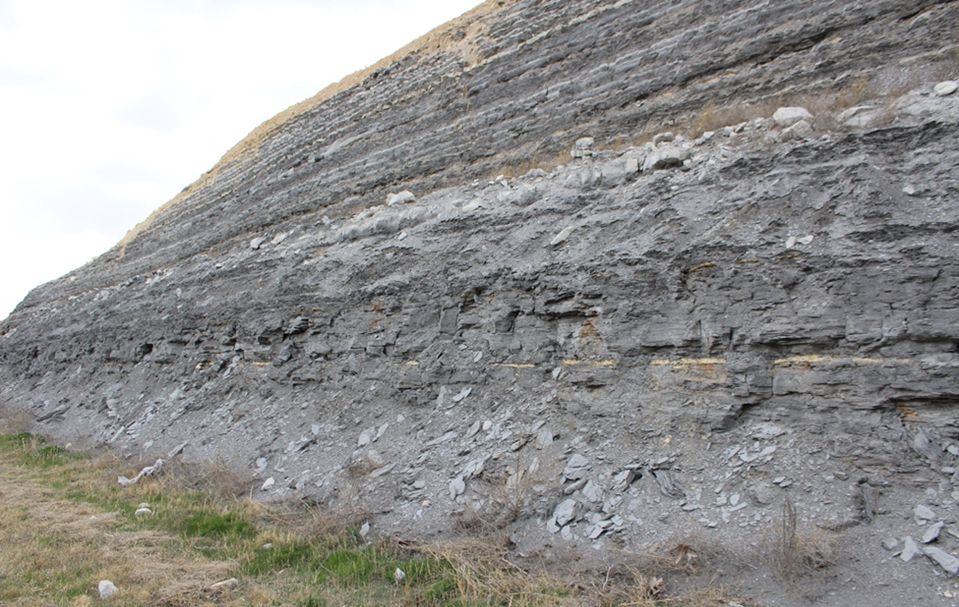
66,524
795,550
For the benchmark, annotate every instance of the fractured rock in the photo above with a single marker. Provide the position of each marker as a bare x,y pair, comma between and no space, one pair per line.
565,512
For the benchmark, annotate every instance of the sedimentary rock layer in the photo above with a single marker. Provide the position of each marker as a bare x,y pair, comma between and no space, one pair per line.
640,314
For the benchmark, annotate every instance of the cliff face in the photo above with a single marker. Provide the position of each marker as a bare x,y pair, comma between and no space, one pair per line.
713,311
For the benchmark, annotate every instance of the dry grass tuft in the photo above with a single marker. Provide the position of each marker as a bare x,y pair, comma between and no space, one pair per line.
484,573
796,551
713,118
14,421
215,477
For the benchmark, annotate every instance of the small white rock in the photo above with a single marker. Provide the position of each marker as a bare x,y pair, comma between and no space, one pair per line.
229,584
945,88
399,575
562,236
788,116
663,138
107,589
142,512
402,198
268,483
457,488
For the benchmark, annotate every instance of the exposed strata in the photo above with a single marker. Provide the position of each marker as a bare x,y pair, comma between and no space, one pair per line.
665,337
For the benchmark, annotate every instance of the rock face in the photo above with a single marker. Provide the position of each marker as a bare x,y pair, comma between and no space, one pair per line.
674,331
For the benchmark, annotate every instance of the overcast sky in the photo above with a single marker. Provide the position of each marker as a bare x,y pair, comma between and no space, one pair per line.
108,108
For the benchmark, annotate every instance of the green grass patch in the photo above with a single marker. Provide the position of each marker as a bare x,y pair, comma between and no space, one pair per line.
208,524
31,451
294,555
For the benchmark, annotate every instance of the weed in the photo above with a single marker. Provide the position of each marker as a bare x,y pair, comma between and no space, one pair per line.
713,118
207,524
798,551
290,554
14,422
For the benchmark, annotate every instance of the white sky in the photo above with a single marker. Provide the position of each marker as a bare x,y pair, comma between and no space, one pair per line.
108,108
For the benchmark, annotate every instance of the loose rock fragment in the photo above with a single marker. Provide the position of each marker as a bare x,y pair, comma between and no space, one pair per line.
665,157
788,116
663,138
583,148
923,513
945,560
401,198
230,584
562,236
800,130
910,549
107,589
945,88
565,512
932,533
457,487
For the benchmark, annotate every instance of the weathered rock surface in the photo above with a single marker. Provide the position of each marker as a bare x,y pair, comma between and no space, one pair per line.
603,352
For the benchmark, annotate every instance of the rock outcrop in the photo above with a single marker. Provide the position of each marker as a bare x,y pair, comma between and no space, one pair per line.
639,337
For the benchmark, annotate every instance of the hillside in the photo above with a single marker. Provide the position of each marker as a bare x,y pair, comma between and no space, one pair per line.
633,295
